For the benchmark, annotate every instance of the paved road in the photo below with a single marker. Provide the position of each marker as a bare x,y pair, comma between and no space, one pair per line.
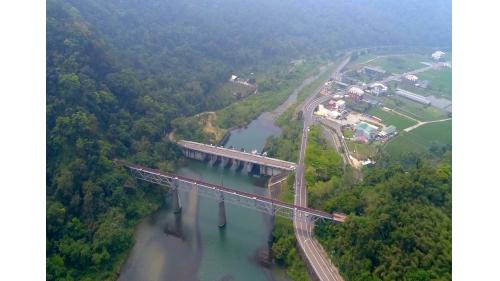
315,254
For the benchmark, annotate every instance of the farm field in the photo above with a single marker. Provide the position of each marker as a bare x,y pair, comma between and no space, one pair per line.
390,118
440,82
413,109
347,133
420,139
400,63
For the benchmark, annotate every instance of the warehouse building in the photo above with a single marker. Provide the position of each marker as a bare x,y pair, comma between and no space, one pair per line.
412,96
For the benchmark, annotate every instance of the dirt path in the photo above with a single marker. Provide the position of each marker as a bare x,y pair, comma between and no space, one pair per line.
423,123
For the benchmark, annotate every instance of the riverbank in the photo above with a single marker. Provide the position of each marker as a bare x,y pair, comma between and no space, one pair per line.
277,91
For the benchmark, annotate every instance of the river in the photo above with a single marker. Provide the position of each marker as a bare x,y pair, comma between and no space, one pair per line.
191,246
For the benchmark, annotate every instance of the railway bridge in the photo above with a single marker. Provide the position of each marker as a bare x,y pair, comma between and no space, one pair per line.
236,159
223,194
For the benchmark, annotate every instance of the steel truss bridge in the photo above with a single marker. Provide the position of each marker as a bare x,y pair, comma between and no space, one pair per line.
232,196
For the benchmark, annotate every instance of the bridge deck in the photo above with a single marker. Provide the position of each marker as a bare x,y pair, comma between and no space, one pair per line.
238,155
156,176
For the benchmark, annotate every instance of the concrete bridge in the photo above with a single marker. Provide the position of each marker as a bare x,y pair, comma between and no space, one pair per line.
234,158
223,194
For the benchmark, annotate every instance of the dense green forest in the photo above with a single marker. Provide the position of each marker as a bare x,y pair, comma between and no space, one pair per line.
399,224
119,72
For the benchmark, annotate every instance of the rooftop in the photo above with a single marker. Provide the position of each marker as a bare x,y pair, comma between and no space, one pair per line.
375,68
389,129
356,90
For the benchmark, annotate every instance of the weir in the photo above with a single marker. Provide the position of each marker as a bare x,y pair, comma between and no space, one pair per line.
267,166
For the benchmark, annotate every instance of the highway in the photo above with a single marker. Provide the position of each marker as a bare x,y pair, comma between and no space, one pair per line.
314,252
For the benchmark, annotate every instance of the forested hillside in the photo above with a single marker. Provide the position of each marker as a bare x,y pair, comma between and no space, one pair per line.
96,112
399,225
118,73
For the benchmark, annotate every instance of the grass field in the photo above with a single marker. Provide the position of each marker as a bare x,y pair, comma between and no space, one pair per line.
414,109
420,139
347,133
362,151
400,63
390,118
440,82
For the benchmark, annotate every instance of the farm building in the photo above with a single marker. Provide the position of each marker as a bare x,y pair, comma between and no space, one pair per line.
365,132
342,85
355,93
412,96
377,88
373,72
387,131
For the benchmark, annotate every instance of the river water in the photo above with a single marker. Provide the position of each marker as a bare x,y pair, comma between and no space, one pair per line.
191,246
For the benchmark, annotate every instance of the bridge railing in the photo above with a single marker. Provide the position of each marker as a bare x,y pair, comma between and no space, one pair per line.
236,197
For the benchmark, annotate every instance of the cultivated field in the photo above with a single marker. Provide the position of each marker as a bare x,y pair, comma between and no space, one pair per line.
390,118
400,63
414,109
420,139
440,82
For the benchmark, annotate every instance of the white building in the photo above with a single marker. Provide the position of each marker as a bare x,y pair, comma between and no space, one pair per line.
324,112
355,90
437,55
334,114
355,93
377,88
411,77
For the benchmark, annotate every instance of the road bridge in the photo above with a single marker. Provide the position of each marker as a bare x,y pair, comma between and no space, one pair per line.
235,158
224,194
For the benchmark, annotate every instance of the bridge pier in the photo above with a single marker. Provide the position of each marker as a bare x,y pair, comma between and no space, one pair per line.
248,167
176,199
213,159
224,161
194,154
222,212
235,165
